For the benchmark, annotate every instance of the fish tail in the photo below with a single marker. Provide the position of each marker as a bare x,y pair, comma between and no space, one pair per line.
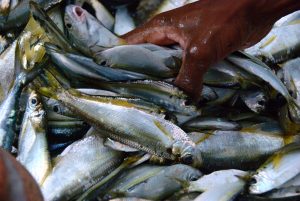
53,87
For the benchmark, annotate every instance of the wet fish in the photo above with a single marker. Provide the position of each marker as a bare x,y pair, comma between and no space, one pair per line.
139,181
277,170
80,166
33,149
280,45
220,185
159,93
8,70
269,77
102,14
200,124
137,59
86,70
239,149
10,107
19,14
126,124
290,19
256,100
124,22
87,33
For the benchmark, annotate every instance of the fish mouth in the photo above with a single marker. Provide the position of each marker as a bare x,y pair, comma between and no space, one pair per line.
74,13
78,13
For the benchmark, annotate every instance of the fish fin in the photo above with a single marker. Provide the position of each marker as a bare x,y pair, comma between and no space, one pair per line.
118,146
53,88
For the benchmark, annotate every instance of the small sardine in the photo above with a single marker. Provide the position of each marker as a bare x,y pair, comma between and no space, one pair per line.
33,149
87,33
277,170
140,181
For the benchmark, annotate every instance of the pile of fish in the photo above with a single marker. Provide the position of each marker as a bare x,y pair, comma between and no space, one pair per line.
88,117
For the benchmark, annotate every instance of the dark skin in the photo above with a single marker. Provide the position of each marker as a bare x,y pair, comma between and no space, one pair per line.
209,30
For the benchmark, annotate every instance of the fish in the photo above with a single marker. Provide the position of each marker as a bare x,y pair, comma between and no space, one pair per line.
101,12
277,170
125,123
10,107
85,69
33,148
160,93
66,131
220,185
292,18
243,149
137,59
81,165
201,123
139,181
256,100
265,74
280,45
8,70
19,14
16,182
124,22
87,33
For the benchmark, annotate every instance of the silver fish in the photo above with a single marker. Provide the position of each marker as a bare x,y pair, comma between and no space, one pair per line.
200,123
140,181
33,149
281,44
277,170
221,185
239,149
80,166
87,33
125,123
136,58
102,14
256,100
124,22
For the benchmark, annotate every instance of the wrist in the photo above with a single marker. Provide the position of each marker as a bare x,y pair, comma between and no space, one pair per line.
277,8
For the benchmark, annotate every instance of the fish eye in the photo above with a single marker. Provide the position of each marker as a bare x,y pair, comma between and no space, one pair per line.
103,63
261,102
33,101
56,109
69,26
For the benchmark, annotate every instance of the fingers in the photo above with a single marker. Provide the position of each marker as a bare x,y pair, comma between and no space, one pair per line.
157,33
196,61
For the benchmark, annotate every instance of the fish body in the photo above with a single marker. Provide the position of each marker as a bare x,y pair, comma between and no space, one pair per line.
198,124
160,93
280,45
277,170
238,149
7,70
33,149
220,185
137,59
80,166
87,33
256,100
139,181
124,22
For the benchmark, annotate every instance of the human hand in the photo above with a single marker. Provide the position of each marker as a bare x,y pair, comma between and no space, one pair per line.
208,31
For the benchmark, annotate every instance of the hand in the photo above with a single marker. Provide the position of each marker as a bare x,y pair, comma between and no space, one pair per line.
207,31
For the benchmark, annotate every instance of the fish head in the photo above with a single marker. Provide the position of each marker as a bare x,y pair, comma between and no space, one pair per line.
261,183
78,23
37,112
185,150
